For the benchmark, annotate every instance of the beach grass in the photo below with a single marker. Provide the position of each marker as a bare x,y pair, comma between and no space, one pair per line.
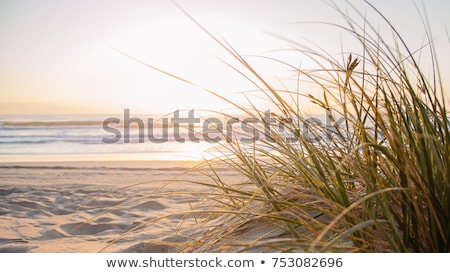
373,177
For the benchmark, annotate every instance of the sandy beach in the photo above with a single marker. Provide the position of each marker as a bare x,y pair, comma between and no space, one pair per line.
90,206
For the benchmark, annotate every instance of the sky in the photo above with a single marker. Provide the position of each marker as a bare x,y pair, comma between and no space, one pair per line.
62,57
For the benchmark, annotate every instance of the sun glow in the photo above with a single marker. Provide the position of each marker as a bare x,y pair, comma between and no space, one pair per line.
60,58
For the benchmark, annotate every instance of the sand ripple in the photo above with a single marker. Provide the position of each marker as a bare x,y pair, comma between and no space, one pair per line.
86,206
33,219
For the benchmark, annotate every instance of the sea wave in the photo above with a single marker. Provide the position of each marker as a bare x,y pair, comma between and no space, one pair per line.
62,167
71,123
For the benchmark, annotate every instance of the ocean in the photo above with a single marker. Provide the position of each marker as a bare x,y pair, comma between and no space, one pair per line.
84,137
177,136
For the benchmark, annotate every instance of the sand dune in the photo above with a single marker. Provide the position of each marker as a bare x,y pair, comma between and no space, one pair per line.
85,207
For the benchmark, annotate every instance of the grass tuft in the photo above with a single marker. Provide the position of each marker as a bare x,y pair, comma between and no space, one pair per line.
374,178
378,181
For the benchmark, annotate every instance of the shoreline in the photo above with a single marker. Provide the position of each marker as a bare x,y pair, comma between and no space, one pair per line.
113,164
106,157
